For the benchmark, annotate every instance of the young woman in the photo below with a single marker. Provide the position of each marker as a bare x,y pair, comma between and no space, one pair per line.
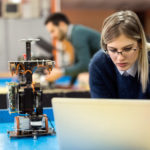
121,69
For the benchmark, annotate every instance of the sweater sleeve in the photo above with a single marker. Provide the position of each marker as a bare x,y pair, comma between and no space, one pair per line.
101,83
82,53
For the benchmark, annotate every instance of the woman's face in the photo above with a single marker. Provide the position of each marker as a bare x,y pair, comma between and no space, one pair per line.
123,51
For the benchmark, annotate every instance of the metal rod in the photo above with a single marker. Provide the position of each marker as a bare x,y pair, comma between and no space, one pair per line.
28,50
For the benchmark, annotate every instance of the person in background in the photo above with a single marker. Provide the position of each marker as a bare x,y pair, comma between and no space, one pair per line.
121,69
84,40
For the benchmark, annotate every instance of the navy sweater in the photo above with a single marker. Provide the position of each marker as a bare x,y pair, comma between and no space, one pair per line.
107,82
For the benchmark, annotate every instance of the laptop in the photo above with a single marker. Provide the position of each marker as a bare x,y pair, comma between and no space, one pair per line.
102,124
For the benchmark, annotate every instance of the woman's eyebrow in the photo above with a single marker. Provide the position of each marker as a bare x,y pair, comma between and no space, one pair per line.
122,47
127,45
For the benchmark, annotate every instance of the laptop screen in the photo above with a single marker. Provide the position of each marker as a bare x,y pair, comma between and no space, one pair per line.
88,124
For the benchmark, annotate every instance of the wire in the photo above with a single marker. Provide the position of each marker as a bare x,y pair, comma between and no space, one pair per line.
25,71
51,124
33,87
17,69
42,66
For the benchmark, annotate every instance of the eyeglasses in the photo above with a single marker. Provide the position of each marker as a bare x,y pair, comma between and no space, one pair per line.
125,52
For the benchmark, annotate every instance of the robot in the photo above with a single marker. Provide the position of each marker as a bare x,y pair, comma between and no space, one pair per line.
25,97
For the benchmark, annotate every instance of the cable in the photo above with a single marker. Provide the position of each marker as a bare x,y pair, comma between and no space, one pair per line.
51,124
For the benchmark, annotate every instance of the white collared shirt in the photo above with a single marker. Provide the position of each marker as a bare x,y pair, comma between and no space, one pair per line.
131,71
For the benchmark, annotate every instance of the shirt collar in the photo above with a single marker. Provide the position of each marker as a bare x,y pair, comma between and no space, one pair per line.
131,71
69,32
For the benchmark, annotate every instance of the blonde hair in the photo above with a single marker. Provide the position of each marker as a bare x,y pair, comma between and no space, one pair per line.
128,23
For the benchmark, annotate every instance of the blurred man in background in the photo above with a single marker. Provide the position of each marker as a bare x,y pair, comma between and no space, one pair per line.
85,41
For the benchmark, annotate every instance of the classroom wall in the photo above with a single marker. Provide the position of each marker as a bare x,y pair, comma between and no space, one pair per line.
90,17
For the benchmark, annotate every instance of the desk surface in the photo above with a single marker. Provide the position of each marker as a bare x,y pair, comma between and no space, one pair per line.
42,143
61,86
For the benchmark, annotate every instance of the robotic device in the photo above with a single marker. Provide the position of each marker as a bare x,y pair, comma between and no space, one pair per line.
25,97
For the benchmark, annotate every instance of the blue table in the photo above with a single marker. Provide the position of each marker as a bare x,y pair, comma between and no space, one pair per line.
28,143
42,143
47,142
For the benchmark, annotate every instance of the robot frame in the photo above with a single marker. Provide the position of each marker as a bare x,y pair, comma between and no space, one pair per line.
25,97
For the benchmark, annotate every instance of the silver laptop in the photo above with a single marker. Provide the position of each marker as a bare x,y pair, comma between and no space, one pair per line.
102,124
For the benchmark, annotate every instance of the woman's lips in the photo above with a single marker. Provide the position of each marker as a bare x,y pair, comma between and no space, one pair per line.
121,64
